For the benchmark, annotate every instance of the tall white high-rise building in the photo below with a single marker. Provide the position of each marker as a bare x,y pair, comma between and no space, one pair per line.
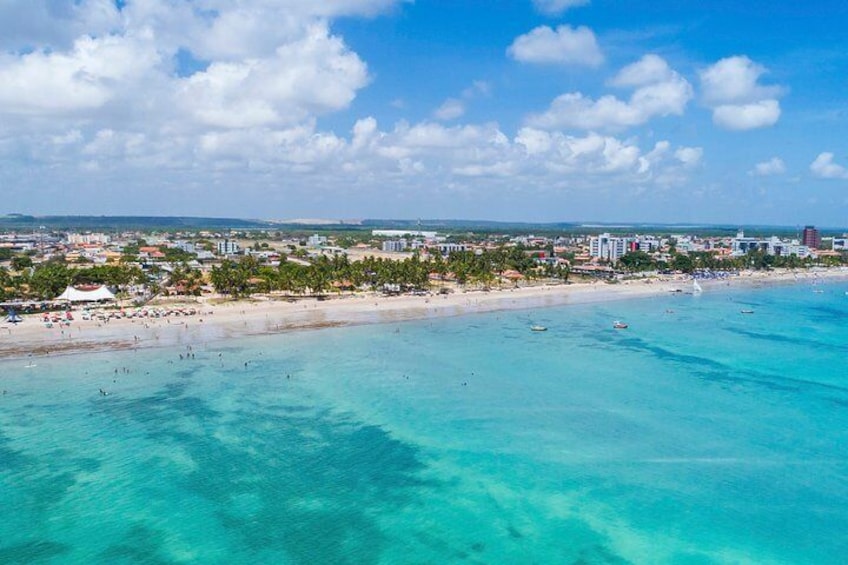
609,248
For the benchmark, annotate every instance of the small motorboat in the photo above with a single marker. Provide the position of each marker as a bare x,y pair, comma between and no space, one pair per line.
619,325
538,329
746,311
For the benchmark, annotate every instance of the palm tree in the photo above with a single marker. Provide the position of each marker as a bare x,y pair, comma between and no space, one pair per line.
186,280
230,278
49,279
5,284
21,262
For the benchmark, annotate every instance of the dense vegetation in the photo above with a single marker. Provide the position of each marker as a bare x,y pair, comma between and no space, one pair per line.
248,276
47,280
638,261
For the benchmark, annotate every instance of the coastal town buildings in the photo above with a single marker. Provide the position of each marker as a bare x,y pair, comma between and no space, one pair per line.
395,245
608,247
548,254
185,246
88,238
811,237
773,245
687,243
742,245
647,243
316,240
228,247
447,248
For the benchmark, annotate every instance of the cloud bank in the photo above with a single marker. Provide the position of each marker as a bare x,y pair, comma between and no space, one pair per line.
658,91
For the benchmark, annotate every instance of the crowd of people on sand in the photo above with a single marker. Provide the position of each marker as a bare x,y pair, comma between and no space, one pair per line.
714,275
64,318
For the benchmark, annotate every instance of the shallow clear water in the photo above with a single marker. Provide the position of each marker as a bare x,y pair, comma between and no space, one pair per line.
700,435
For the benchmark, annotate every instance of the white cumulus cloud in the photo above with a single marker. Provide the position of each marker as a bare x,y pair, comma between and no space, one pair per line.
774,166
735,79
689,156
650,69
258,62
731,88
747,116
90,74
312,76
824,167
660,91
565,45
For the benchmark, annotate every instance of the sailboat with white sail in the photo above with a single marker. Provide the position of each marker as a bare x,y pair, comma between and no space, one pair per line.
696,288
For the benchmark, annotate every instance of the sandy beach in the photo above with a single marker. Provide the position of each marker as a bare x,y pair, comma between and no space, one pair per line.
215,322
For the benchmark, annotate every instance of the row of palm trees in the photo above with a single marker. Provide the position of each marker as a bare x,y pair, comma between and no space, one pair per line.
249,276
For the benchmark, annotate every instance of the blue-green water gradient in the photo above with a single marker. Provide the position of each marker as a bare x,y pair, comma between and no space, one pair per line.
698,435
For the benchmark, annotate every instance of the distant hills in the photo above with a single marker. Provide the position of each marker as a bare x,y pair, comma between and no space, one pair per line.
175,223
121,223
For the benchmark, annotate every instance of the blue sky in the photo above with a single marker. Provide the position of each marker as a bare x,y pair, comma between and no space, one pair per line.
533,110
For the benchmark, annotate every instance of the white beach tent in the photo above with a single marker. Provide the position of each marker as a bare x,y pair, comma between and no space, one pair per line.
72,294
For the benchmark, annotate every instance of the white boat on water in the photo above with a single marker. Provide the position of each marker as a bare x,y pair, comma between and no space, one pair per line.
538,329
619,325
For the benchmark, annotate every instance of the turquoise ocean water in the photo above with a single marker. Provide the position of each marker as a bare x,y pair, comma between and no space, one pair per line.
701,435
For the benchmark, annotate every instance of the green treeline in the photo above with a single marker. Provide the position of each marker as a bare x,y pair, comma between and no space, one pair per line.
47,280
758,260
248,276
